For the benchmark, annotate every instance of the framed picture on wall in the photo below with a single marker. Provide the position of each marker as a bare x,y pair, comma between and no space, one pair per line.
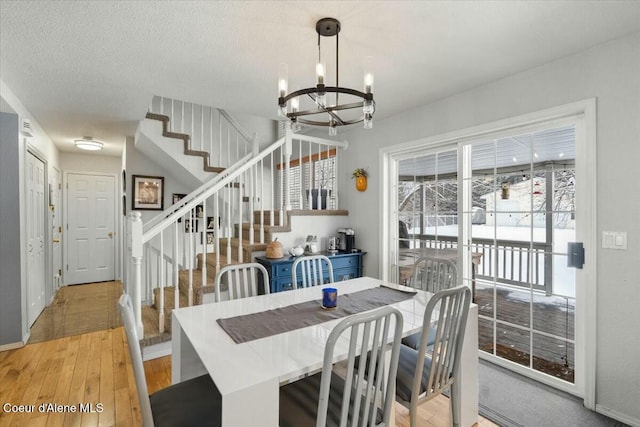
209,238
190,226
148,193
211,224
176,197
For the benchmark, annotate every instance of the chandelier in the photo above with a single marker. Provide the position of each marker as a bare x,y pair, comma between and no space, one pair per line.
323,112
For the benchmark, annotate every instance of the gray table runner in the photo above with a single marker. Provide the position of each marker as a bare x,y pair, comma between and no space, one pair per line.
263,324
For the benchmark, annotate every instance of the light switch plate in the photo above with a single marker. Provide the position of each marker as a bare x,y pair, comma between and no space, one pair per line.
614,240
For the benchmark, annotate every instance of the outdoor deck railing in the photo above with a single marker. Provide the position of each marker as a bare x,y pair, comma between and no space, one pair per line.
510,262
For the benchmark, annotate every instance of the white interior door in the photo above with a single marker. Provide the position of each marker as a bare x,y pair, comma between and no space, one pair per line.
36,264
91,225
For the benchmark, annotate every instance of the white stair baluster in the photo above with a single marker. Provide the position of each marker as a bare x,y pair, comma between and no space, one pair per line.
240,202
176,272
261,172
162,284
251,206
273,183
191,224
211,161
216,236
203,238
228,228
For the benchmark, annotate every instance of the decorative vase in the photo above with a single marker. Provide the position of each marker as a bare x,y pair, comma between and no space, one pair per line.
314,198
361,183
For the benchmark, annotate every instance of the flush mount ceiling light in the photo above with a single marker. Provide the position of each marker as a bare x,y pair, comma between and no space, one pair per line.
87,143
324,113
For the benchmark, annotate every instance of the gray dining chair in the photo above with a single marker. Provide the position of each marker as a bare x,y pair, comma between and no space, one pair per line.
432,275
423,376
311,270
329,399
195,402
242,280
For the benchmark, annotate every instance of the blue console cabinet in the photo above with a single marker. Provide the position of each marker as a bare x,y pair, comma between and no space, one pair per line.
345,266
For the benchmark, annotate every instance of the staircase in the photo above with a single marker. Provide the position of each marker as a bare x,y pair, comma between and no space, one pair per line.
249,192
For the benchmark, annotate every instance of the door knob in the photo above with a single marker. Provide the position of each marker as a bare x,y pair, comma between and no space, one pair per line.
110,234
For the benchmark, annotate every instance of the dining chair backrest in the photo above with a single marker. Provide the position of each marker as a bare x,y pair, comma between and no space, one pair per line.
447,313
311,270
364,395
369,333
242,280
434,274
126,312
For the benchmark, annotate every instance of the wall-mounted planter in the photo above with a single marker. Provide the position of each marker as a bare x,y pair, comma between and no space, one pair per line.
361,183
360,175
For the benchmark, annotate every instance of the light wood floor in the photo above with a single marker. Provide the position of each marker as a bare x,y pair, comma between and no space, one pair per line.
79,309
96,368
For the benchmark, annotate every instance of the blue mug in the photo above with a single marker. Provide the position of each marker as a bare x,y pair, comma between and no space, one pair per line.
329,298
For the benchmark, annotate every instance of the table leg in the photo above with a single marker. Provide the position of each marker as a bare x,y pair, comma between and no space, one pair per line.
468,390
185,363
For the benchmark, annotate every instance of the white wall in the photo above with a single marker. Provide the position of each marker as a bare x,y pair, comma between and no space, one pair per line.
139,164
88,162
322,227
611,73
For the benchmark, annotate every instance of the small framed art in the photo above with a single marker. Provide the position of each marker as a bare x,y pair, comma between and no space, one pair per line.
148,193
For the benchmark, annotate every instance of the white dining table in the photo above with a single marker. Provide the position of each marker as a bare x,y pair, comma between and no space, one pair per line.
248,375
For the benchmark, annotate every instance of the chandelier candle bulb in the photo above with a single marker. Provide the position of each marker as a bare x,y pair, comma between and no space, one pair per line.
368,83
320,73
282,86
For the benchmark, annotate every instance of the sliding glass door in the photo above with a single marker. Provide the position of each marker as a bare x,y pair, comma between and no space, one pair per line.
522,192
504,207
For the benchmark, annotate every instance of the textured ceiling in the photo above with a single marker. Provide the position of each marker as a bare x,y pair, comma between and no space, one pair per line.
91,68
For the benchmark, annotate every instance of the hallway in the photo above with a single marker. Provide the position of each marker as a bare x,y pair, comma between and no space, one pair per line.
78,309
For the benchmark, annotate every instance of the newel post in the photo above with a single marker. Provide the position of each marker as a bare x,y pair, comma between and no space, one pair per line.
135,245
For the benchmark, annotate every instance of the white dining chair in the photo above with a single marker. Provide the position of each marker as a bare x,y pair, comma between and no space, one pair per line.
242,280
195,402
423,376
327,398
311,270
432,275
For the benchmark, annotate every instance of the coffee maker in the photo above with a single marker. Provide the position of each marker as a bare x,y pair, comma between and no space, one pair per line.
347,241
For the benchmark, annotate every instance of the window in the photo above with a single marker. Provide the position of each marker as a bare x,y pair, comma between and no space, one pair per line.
306,176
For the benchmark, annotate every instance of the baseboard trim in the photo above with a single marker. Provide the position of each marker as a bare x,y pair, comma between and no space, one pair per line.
11,346
618,416
156,351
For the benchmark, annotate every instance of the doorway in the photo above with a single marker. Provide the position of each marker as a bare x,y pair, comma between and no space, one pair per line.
90,223
35,175
506,191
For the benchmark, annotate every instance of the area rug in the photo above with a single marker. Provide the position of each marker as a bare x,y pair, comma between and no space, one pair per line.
512,400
